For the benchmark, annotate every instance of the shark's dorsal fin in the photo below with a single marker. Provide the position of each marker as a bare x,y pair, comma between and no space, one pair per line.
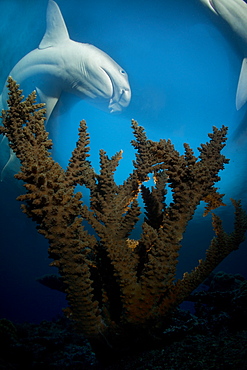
56,30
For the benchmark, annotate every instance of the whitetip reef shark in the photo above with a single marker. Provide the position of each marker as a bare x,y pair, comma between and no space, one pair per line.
61,64
234,12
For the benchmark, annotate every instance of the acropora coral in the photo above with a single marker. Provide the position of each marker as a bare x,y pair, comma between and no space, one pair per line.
113,282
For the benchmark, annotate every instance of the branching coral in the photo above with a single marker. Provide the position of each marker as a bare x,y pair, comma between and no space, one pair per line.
114,282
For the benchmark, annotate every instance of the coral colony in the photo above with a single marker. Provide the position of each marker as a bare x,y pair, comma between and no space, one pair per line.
116,285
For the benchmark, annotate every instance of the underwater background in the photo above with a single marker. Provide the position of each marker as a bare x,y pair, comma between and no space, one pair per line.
183,65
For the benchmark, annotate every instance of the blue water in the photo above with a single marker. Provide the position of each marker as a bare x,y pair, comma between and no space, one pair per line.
183,65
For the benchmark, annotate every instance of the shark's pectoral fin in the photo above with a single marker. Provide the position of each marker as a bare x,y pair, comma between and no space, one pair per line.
241,97
50,101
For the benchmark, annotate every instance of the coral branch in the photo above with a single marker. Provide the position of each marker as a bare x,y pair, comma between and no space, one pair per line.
113,282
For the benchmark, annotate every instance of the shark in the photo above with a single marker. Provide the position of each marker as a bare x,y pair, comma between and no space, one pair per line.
234,12
60,64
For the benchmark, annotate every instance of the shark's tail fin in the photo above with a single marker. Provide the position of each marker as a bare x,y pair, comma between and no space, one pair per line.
241,96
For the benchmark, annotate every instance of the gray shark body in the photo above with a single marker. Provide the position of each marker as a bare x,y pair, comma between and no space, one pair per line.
234,12
61,64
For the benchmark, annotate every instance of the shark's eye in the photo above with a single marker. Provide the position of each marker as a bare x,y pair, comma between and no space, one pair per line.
122,71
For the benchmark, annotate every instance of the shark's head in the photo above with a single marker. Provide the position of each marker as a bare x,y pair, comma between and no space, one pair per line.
118,78
234,12
100,78
83,69
121,90
209,4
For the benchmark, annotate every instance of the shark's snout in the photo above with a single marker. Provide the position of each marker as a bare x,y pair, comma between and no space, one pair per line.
125,97
118,80
116,105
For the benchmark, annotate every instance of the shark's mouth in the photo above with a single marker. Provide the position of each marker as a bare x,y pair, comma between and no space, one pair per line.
120,101
120,95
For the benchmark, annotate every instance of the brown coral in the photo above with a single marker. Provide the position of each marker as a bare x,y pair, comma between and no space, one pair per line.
112,281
